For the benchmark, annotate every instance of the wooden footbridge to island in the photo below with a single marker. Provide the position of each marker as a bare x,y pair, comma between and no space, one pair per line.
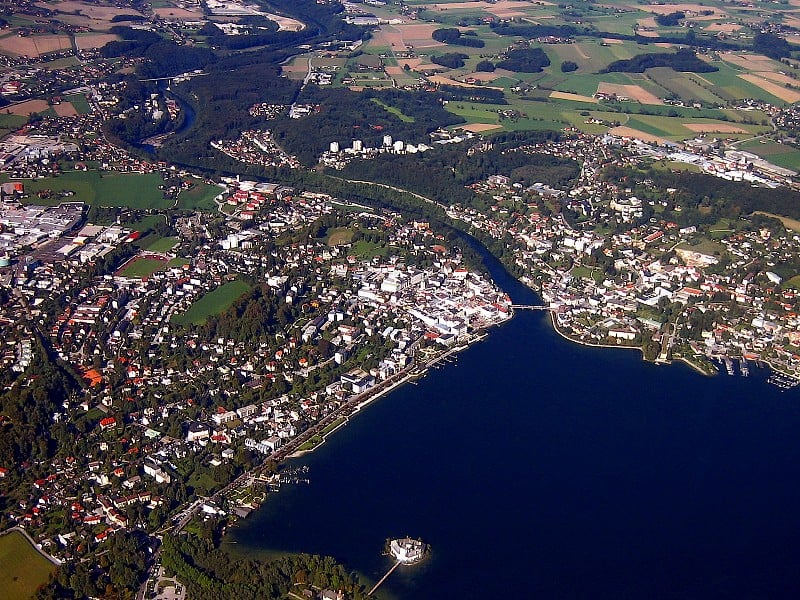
384,578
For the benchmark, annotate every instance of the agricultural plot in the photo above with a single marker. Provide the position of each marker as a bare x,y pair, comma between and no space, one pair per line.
33,45
783,155
26,108
131,190
22,568
212,303
79,103
728,84
685,86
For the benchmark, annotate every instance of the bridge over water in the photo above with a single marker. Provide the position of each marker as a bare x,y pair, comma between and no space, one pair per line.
530,307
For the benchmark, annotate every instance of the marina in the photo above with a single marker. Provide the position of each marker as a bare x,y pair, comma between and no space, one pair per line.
783,381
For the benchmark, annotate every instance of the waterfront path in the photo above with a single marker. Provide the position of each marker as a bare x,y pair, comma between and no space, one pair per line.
384,578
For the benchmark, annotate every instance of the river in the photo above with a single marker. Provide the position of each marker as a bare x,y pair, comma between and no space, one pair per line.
535,467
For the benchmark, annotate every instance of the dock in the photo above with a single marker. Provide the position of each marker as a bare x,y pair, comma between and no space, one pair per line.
384,578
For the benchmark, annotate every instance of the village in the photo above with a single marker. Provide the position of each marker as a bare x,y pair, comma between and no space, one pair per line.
656,281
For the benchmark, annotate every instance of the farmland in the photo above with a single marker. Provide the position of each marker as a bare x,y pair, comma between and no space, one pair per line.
659,102
131,190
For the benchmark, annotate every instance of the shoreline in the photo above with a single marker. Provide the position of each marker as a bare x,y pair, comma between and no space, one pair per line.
413,373
585,343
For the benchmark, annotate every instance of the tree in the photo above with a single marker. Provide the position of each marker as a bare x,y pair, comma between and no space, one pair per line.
568,66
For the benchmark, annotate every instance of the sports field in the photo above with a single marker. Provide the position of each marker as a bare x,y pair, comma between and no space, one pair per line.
214,302
141,268
22,568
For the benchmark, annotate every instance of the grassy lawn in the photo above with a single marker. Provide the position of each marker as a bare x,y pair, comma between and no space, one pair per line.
705,246
142,267
794,282
365,249
11,122
142,223
200,197
340,236
22,568
395,111
163,244
80,103
214,302
132,190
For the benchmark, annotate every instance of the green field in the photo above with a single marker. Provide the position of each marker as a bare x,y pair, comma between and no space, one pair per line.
782,155
163,244
132,190
22,568
80,103
200,197
340,236
214,302
140,268
11,122
365,249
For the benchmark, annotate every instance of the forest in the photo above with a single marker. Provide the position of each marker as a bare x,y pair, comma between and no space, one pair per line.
455,37
684,60
524,60
451,60
670,20
704,198
165,58
345,115
209,573
444,173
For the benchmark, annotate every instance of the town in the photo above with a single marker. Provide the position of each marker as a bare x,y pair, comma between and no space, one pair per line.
173,330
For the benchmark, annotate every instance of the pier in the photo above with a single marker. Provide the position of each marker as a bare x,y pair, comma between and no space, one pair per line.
384,578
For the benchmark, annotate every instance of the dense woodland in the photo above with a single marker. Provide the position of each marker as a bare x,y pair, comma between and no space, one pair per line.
27,406
456,37
451,60
684,60
443,174
525,60
209,573
346,115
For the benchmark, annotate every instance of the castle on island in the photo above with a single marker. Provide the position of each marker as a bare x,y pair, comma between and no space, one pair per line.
407,551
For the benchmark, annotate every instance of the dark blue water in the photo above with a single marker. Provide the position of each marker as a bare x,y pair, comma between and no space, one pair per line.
538,468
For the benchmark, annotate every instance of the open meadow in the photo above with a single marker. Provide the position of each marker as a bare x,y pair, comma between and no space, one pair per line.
22,568
212,303
131,190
